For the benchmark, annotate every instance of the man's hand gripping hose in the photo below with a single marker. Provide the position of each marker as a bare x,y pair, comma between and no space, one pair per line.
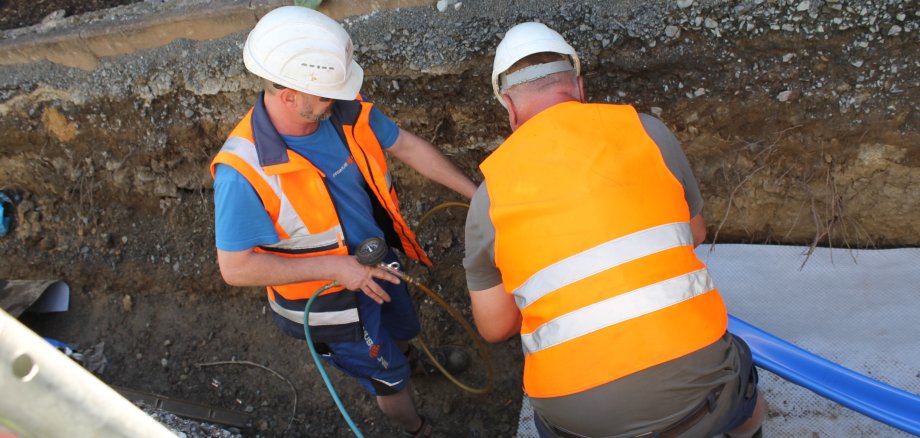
372,252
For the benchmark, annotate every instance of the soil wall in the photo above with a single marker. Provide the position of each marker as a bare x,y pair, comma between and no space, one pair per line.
799,118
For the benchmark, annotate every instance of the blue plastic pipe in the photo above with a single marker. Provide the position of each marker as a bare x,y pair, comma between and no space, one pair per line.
885,403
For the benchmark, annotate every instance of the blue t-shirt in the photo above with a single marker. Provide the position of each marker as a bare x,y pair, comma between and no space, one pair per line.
241,222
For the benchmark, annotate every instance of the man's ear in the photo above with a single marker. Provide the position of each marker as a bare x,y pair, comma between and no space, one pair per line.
512,111
288,97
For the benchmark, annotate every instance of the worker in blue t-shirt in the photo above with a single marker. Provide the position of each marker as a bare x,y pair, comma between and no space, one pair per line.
301,181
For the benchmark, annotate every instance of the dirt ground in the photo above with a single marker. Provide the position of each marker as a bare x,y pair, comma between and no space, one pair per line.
18,13
803,136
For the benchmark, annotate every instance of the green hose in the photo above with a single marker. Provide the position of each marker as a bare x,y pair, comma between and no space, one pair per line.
319,365
483,352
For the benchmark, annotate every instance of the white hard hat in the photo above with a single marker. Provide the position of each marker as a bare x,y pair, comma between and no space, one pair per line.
523,40
305,50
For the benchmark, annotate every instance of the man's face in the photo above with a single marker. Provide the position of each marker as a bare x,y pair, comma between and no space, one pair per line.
314,108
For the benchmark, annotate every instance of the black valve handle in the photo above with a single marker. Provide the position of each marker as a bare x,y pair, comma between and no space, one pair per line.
372,251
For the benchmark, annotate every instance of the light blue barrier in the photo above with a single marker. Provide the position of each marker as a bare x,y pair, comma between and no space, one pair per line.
870,397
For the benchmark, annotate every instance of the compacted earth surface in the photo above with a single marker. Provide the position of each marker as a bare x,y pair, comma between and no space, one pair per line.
799,118
21,13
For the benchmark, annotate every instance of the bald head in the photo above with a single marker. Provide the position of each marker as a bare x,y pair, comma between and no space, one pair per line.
529,98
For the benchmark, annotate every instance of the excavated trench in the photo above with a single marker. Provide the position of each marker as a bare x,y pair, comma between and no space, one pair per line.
799,118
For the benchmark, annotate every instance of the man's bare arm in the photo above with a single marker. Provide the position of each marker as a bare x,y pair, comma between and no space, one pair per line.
249,268
497,316
431,163
698,228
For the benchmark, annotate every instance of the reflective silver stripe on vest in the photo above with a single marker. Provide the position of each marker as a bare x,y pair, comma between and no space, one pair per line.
288,218
601,258
617,309
310,241
317,318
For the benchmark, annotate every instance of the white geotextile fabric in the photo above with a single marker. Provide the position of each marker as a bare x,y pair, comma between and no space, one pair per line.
857,308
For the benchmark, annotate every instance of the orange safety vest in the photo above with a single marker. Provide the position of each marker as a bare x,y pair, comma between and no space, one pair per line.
297,200
592,238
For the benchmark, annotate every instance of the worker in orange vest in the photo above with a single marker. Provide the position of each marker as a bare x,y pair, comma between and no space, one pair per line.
581,241
301,181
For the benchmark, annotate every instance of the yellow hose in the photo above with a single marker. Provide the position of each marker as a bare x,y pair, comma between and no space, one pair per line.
483,353
480,346
437,208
